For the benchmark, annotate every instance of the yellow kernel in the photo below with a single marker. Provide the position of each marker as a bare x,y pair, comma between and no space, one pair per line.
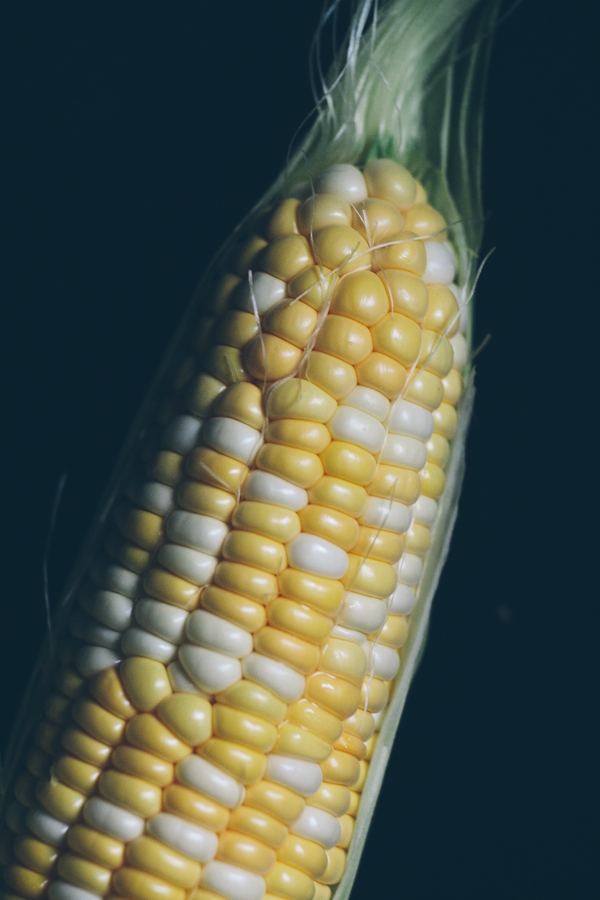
106,688
308,856
417,539
196,807
351,744
321,210
206,500
394,632
166,467
345,659
345,339
131,884
275,800
436,354
309,715
399,337
84,874
442,312
142,527
156,858
371,744
312,436
168,587
269,358
342,248
295,652
376,219
129,555
370,577
433,480
289,883
390,181
299,620
293,321
323,594
298,399
132,793
402,250
147,733
248,254
25,882
70,682
334,376
247,548
393,482
409,295
146,682
313,286
246,765
453,387
354,803
341,768
254,698
322,892
143,765
383,374
363,768
360,296
84,747
293,740
339,494
425,221
259,825
268,520
438,450
60,801
332,798
421,195
343,460
374,695
226,364
235,329
243,728
425,389
361,724
246,613
220,297
282,220
245,851
75,773
286,256
216,469
336,863
34,854
375,543
334,694
243,402
98,723
246,580
201,393
187,716
298,466
445,421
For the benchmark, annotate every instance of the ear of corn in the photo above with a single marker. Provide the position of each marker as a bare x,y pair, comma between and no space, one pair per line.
237,644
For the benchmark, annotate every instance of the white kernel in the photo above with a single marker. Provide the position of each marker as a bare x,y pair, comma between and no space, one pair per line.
366,614
382,513
45,827
440,267
162,619
155,497
384,662
196,531
191,840
62,890
461,351
112,820
317,556
403,451
300,775
410,419
90,660
271,489
345,180
113,610
190,564
274,675
348,634
425,510
181,434
109,575
369,401
409,569
180,681
207,630
211,672
139,642
357,427
232,882
201,775
267,292
378,719
402,601
232,437
318,825
87,629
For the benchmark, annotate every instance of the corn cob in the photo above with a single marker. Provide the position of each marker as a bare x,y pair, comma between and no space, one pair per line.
232,648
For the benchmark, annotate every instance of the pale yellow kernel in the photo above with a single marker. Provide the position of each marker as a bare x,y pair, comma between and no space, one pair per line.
206,500
201,393
334,376
398,336
394,632
129,555
436,354
370,577
382,373
106,688
246,613
60,801
188,804
344,460
361,724
254,549
445,421
345,339
258,825
294,740
84,874
433,480
235,329
288,648
330,524
336,863
246,765
323,209
35,854
332,798
351,744
138,796
171,588
147,733
393,482
453,387
146,682
84,747
254,698
243,402
221,295
286,256
243,728
426,221
438,450
271,521
225,364
275,800
442,312
98,723
289,883
322,891
187,716
142,527
143,765
339,494
341,768
375,543
402,250
345,659
282,220
156,858
75,773
371,744
417,538
354,803
132,884
246,580
248,254
408,294
293,321
298,399
303,435
216,469
299,620
306,855
360,296
70,682
362,777
245,851
313,286
375,219
341,248
334,694
323,594
390,181
421,195
309,715
374,694
26,883
166,467
298,466
269,358
425,389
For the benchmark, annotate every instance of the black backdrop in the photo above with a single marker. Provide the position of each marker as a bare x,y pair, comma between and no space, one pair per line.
134,136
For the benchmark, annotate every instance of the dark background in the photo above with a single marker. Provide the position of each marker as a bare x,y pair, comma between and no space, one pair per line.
135,135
